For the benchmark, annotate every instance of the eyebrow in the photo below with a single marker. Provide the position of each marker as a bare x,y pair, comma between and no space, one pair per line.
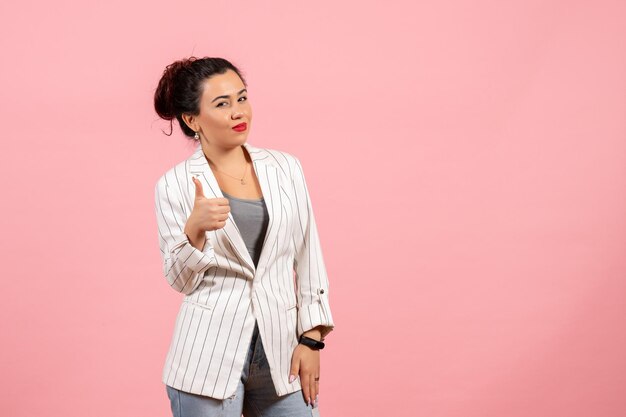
218,97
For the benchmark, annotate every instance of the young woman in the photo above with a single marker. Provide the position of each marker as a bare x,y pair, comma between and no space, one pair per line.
235,222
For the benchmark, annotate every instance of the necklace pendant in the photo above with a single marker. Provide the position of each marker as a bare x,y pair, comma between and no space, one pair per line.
243,182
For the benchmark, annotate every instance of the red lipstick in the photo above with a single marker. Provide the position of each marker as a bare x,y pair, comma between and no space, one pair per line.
240,127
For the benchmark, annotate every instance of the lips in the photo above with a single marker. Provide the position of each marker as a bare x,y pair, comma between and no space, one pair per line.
240,127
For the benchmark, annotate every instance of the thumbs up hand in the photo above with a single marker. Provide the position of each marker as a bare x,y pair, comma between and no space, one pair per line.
208,213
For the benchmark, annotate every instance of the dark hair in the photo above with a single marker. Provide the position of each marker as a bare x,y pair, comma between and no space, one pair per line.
181,85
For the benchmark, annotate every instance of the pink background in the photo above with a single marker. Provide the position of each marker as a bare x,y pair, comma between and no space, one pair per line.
467,165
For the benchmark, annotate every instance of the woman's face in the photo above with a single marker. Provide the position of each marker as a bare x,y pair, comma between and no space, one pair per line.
223,105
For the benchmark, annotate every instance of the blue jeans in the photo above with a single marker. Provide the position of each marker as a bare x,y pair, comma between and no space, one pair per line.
255,396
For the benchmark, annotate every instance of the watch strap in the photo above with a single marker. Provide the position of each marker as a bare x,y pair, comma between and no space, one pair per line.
312,343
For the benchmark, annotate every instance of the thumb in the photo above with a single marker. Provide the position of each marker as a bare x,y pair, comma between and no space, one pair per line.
198,184
295,368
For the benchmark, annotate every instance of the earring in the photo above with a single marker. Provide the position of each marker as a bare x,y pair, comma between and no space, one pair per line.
196,136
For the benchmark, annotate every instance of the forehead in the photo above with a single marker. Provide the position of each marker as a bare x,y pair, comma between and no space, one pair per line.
228,84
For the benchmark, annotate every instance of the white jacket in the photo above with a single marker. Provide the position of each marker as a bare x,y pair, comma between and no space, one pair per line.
225,293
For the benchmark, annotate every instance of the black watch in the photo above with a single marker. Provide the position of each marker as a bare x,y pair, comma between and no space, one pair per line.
312,343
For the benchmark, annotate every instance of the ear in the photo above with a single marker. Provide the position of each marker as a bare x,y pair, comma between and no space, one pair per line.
190,120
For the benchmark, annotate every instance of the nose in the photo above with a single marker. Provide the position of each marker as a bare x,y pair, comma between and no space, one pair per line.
237,112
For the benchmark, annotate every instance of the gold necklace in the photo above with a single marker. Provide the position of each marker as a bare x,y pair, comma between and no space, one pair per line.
237,178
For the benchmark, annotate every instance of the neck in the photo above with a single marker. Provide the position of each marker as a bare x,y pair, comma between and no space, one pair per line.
225,158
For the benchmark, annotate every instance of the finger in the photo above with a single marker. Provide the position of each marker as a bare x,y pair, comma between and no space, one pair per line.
313,388
305,381
316,381
317,387
223,210
198,184
295,368
220,201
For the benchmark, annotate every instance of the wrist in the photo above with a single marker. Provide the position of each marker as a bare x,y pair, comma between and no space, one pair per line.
314,333
311,343
197,238
192,231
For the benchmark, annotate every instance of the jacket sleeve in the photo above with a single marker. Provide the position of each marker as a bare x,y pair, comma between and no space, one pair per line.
311,278
183,264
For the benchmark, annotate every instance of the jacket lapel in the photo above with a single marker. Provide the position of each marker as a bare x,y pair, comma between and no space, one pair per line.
199,167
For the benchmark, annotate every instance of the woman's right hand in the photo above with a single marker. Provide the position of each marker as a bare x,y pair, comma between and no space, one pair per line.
207,214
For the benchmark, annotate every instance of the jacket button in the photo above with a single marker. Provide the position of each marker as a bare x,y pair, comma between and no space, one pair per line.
322,291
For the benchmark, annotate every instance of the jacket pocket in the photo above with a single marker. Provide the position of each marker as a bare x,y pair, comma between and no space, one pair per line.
292,324
198,304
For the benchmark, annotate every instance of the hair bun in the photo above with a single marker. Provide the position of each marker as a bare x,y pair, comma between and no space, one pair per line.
164,94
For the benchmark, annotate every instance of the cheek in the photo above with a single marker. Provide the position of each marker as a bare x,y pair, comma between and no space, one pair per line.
216,120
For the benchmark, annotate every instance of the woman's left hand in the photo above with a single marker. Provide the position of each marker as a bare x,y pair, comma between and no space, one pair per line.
306,362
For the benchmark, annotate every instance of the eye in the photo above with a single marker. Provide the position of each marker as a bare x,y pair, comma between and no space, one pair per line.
225,102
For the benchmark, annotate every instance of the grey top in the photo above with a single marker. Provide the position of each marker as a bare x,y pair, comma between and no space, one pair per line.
251,218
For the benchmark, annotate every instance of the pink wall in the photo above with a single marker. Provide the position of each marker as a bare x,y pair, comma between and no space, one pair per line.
467,165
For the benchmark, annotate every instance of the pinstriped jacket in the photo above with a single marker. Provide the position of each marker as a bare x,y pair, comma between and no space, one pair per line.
287,293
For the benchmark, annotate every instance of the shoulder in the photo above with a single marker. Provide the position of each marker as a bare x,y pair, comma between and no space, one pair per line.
174,177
